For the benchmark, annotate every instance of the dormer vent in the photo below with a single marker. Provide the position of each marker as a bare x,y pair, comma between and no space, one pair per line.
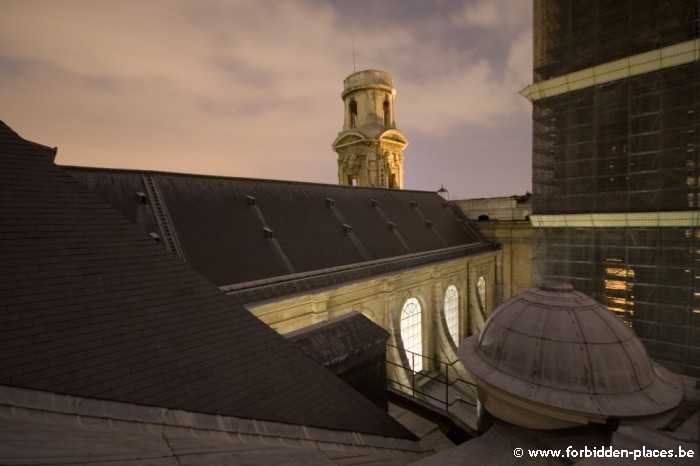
142,198
251,200
391,225
429,223
269,233
330,202
375,203
347,228
414,204
155,236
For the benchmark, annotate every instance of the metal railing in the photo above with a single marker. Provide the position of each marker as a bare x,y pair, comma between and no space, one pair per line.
442,377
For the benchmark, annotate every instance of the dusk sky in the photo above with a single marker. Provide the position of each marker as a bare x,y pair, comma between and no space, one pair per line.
251,88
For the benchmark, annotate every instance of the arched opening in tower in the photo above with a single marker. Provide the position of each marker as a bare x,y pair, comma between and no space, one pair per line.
353,113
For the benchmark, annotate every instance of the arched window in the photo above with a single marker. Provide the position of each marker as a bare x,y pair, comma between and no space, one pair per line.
353,113
481,289
387,116
411,333
452,312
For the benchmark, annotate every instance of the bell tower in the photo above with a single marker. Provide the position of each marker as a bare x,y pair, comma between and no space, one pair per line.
370,148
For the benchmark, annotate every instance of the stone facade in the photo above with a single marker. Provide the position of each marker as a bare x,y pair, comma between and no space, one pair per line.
504,220
381,299
515,267
497,208
370,148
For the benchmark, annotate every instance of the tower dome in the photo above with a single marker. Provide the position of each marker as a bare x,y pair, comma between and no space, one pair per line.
552,357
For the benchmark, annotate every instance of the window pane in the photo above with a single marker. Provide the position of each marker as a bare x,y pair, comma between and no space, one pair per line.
452,312
411,333
481,288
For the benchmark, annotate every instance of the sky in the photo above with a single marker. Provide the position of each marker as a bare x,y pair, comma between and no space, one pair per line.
251,88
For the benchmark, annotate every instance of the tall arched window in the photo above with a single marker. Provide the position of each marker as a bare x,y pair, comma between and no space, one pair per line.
411,333
353,113
387,115
452,312
481,289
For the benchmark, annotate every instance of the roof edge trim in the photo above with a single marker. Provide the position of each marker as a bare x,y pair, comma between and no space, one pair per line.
70,409
468,250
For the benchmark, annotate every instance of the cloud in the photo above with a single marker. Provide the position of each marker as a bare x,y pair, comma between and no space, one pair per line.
503,17
248,88
471,96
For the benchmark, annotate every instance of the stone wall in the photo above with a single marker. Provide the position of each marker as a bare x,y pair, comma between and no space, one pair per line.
507,225
381,299
496,208
515,267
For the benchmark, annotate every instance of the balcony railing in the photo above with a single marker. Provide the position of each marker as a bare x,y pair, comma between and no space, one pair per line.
439,372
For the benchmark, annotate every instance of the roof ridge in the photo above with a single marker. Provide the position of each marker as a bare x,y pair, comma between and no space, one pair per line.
237,178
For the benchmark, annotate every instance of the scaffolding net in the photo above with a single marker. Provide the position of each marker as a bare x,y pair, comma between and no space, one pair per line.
622,146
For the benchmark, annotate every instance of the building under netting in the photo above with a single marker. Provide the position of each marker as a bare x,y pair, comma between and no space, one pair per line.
616,103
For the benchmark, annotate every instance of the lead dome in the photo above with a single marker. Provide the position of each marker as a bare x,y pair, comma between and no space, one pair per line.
552,357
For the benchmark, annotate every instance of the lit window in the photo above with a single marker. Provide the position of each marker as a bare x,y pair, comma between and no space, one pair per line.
452,312
619,288
481,288
411,334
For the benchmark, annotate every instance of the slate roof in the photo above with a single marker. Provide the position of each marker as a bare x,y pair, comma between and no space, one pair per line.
93,307
218,222
336,339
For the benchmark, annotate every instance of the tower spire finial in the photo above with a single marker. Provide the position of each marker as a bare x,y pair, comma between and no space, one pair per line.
353,55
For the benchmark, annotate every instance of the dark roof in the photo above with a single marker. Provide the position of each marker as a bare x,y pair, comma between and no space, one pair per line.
219,222
92,306
334,340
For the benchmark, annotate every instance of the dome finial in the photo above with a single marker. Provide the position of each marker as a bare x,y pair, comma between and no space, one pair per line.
556,285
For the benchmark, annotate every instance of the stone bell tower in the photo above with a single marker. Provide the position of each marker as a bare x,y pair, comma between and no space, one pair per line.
370,148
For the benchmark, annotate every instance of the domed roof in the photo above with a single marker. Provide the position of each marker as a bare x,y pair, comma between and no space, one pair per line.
558,347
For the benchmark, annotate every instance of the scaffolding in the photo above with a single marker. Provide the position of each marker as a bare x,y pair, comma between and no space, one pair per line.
623,146
570,35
